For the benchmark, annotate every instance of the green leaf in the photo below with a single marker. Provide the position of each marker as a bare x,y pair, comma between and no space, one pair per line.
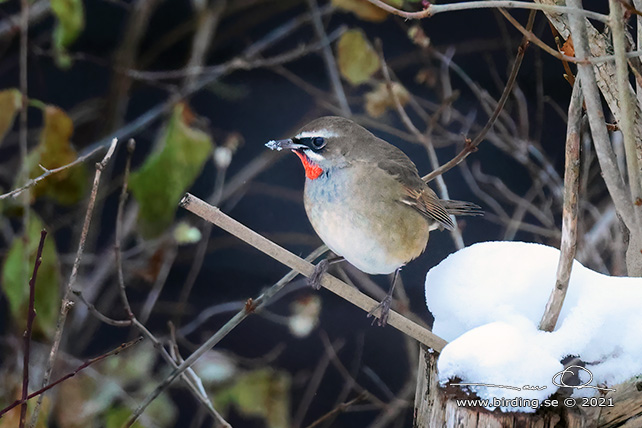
10,103
263,393
70,17
356,58
165,176
117,416
54,150
16,274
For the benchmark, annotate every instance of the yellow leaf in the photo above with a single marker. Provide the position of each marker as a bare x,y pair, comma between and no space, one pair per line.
363,9
10,103
356,57
379,100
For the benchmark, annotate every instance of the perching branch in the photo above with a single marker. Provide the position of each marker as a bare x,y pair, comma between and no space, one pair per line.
568,245
298,265
341,289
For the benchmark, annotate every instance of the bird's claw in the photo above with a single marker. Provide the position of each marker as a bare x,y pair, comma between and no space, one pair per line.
384,311
320,269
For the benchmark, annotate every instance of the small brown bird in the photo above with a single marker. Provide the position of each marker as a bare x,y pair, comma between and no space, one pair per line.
366,200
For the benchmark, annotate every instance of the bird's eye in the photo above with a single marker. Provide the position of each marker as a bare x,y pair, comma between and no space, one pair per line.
317,142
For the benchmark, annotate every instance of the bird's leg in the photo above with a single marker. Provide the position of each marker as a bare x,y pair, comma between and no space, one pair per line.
384,306
320,269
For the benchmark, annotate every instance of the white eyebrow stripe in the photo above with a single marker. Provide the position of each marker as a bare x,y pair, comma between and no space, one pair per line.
320,133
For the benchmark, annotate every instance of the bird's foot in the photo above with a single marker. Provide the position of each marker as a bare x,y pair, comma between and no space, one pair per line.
320,269
383,310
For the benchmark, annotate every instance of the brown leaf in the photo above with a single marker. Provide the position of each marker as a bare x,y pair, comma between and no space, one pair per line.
55,150
10,103
379,100
567,47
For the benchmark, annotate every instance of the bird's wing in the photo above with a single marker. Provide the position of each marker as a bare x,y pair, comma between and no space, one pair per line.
417,194
427,203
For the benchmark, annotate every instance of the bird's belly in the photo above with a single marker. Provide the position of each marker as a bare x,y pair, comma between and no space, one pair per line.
374,235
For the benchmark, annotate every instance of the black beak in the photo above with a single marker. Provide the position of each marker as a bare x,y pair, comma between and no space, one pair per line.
279,145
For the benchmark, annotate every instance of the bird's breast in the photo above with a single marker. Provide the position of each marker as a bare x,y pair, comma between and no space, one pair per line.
358,215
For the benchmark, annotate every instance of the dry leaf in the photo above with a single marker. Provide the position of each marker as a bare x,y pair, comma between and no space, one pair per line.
356,57
379,100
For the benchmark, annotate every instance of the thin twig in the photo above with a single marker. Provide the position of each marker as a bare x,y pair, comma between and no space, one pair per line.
471,146
214,73
190,376
83,366
569,214
201,248
434,9
131,146
250,307
125,58
208,15
23,132
313,383
328,59
31,315
339,409
559,55
102,317
161,278
29,184
66,300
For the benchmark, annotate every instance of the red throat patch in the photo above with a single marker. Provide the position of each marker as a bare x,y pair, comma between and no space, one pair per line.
312,170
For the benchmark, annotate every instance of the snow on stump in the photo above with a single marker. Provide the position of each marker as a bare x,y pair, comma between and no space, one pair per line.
499,370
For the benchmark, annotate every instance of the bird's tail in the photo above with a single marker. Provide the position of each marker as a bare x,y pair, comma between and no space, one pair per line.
462,208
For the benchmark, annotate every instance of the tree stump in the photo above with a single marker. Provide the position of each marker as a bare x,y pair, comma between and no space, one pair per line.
436,407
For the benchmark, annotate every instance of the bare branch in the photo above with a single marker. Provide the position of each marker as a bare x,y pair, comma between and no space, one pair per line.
31,315
328,58
66,300
434,9
568,245
83,366
471,146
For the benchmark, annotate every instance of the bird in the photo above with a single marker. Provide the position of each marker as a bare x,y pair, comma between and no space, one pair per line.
366,201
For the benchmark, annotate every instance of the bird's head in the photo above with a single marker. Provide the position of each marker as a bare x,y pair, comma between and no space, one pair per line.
323,144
